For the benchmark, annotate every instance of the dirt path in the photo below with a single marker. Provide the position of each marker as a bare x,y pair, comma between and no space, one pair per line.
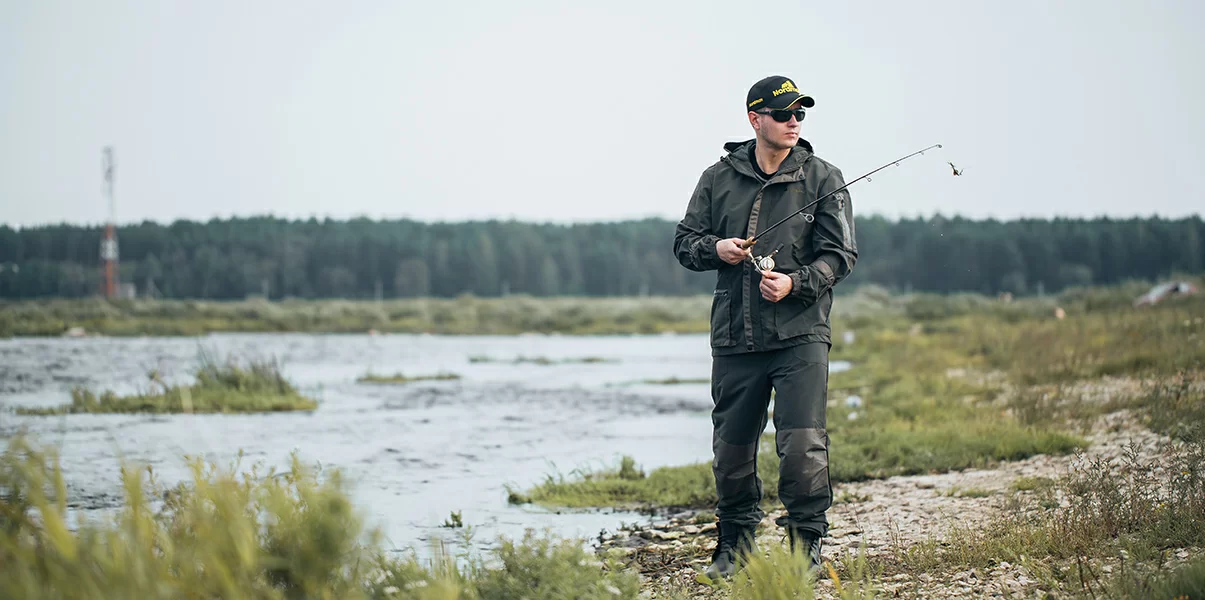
882,517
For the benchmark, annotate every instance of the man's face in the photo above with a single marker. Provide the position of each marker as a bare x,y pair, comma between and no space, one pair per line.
780,136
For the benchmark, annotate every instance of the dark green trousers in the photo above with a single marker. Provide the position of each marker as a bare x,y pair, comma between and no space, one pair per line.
740,388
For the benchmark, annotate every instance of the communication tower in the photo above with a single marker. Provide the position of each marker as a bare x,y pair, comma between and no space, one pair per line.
108,245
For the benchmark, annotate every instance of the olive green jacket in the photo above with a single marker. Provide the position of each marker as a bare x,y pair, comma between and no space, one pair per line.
732,201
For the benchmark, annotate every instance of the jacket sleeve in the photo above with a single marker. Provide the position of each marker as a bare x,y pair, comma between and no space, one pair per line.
694,239
833,243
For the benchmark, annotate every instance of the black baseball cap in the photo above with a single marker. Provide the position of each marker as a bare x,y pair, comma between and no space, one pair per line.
776,92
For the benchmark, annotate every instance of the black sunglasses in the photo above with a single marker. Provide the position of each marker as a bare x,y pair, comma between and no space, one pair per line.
783,115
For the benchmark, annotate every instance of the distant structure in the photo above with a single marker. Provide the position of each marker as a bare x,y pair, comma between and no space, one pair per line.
108,245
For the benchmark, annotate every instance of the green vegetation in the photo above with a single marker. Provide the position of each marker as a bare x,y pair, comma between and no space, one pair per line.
219,388
971,492
460,316
783,575
675,381
959,387
1133,510
1185,582
542,360
252,535
398,378
687,487
1032,484
454,520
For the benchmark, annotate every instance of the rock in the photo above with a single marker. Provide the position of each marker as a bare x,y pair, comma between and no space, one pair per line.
707,527
666,535
690,530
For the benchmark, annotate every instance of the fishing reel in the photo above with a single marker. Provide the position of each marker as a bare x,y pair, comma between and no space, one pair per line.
765,263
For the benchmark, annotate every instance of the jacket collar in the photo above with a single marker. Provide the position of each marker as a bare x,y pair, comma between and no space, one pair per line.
740,156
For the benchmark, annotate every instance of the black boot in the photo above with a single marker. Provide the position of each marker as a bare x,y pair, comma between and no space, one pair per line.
735,545
808,542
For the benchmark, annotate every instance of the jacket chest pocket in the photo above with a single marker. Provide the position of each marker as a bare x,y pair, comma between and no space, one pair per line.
721,319
795,233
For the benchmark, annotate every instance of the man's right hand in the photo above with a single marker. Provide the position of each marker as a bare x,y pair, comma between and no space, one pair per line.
730,250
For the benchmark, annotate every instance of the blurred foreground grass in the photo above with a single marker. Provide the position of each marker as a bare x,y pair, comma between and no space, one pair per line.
245,534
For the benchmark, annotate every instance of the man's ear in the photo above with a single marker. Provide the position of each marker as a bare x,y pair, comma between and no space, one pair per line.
753,121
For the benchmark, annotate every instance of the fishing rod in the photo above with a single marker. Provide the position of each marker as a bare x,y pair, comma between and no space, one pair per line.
809,218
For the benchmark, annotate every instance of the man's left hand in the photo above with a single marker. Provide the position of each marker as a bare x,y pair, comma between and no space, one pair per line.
774,286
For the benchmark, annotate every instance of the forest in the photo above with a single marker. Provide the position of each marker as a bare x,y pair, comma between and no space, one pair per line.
362,258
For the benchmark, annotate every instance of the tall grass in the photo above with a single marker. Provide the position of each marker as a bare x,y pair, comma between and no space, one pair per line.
247,534
1131,508
270,535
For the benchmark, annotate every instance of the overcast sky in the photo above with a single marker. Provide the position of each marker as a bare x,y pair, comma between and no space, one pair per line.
559,111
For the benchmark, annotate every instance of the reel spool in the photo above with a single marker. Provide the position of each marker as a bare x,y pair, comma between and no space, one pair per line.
765,263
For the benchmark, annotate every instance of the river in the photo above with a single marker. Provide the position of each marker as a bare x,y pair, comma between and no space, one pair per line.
414,452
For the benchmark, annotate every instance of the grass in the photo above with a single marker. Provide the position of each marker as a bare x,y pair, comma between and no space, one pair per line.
1066,528
465,315
1175,406
219,388
1185,582
928,404
971,492
398,378
626,486
247,534
915,418
542,360
676,381
1032,484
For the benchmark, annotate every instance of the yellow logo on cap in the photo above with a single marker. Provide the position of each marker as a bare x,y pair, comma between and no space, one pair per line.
787,86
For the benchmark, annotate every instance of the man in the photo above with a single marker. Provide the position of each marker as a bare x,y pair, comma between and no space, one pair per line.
770,330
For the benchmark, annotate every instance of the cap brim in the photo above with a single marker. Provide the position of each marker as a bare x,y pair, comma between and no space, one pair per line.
803,99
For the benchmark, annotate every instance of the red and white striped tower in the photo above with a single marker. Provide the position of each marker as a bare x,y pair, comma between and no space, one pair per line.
108,246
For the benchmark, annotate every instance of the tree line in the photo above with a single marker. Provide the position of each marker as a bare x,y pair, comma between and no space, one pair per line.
362,258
